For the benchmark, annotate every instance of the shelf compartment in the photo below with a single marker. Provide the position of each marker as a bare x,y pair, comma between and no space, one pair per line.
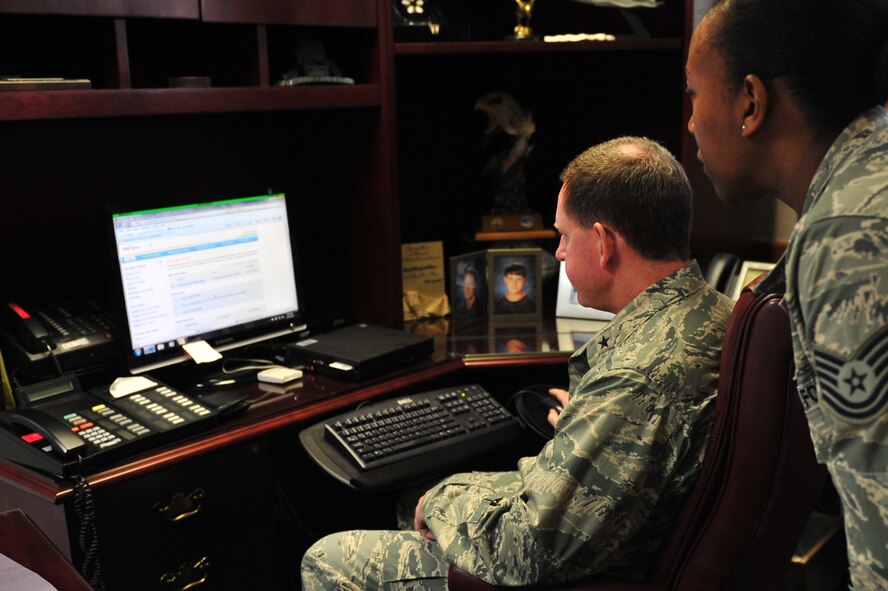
352,50
162,49
35,105
117,8
63,47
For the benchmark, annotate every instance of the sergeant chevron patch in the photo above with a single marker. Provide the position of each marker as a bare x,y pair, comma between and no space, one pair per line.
856,389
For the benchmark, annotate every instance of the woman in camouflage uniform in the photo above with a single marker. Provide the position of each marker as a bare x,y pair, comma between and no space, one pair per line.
787,103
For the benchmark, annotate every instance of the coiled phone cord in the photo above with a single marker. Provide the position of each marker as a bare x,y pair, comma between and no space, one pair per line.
84,507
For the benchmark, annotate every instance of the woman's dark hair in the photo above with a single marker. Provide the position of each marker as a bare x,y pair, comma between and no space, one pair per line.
832,55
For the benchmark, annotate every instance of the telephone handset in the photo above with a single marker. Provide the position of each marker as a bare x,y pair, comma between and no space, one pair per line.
43,326
33,334
46,339
45,428
63,430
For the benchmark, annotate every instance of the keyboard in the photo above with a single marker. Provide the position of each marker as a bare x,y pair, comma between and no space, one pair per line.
462,418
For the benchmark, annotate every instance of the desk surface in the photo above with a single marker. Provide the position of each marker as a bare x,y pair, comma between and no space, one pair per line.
274,408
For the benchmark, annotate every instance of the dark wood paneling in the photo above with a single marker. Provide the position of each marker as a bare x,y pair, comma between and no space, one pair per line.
123,8
36,105
341,13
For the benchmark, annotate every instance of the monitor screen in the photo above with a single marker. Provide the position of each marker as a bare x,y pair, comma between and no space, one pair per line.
220,271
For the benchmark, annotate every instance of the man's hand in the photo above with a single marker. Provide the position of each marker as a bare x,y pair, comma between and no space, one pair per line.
419,522
561,396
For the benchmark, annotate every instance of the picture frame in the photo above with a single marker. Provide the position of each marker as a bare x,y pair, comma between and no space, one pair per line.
468,308
567,305
515,283
749,272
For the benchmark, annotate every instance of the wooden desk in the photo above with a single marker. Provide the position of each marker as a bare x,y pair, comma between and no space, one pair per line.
205,508
21,541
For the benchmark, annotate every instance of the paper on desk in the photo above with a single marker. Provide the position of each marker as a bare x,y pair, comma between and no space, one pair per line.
201,352
129,385
15,576
422,277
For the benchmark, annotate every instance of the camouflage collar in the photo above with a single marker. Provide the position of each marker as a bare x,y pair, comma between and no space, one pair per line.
674,287
846,144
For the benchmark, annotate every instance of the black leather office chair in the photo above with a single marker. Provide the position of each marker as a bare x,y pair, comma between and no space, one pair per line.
759,480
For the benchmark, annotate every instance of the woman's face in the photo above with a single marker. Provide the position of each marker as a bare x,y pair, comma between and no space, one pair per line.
717,118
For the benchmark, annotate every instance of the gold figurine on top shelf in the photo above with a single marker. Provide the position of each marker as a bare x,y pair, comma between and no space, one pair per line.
523,32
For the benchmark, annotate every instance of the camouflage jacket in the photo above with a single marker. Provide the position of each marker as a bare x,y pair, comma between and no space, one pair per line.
835,276
601,495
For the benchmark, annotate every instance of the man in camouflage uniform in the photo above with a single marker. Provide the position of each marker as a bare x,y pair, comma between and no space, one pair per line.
787,103
602,494
835,272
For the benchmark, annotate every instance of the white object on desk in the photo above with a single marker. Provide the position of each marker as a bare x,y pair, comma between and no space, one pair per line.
130,385
279,375
201,352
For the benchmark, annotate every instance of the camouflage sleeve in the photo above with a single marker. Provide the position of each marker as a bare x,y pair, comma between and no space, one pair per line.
842,290
566,512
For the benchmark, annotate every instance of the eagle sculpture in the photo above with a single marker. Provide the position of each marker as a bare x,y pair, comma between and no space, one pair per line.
504,149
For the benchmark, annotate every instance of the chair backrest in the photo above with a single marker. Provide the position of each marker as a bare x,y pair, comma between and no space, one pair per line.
760,479
759,482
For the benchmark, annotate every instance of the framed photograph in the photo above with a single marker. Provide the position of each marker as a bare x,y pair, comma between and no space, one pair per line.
567,305
515,283
468,287
749,272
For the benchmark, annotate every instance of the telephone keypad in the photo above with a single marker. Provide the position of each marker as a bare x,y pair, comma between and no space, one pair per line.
162,408
93,433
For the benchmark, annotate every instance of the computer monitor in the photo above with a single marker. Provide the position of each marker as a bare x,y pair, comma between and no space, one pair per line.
222,271
749,272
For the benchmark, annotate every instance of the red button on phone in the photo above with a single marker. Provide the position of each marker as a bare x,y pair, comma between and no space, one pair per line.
32,437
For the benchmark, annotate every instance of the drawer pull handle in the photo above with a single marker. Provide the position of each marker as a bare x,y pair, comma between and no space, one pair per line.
182,505
188,576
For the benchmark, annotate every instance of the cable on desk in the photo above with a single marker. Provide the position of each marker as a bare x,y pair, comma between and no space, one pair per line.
55,360
84,507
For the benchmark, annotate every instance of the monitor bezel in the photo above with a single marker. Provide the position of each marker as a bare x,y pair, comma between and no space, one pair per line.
227,339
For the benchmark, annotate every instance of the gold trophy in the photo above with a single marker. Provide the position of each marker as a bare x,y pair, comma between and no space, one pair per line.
523,32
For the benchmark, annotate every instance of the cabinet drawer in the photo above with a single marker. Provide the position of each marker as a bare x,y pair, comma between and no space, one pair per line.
339,13
213,515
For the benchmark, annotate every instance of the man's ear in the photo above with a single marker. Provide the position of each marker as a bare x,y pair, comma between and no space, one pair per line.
606,244
754,97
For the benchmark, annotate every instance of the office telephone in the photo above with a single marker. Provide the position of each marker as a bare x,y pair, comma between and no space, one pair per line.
63,430
45,339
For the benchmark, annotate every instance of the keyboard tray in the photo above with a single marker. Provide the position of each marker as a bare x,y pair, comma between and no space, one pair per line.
471,421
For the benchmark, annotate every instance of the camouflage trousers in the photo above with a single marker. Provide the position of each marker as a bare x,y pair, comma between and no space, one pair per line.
374,561
865,503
